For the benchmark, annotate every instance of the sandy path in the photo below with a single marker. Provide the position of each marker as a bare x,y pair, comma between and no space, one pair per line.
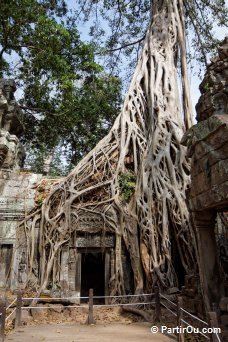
114,332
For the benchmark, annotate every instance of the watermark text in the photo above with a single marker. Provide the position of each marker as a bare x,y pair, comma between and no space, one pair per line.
185,330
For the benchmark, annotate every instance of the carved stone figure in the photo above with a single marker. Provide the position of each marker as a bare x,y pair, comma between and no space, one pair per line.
3,106
11,128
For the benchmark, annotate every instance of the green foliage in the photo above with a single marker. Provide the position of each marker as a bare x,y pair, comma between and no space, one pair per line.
127,183
68,99
39,201
36,157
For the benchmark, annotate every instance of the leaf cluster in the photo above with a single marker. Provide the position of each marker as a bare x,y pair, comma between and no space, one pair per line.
127,183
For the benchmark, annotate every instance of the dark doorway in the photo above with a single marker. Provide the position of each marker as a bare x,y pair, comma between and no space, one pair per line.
92,274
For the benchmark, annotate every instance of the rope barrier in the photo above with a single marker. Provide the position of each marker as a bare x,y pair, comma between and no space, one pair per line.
168,309
110,305
125,296
91,297
52,307
80,306
168,299
11,303
11,314
95,297
193,316
194,328
45,298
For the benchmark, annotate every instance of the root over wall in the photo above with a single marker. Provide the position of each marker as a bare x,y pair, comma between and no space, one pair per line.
143,145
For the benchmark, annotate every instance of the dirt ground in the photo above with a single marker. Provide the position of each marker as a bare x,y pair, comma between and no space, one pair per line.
110,332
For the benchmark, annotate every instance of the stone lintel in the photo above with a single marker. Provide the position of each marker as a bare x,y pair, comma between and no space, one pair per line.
95,240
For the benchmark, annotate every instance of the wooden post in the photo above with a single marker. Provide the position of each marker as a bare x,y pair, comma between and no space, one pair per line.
179,318
2,317
213,323
107,276
18,309
157,304
90,319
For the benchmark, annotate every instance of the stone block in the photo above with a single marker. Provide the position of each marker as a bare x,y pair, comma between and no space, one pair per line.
215,197
211,176
209,159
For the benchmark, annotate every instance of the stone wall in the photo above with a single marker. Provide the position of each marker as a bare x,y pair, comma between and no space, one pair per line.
17,189
207,145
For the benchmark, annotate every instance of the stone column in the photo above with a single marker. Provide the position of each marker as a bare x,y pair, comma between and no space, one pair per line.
209,266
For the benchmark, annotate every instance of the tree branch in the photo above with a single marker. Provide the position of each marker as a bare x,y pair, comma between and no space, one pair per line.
124,46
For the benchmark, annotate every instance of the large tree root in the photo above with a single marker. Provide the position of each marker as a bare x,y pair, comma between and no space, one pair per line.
143,314
153,222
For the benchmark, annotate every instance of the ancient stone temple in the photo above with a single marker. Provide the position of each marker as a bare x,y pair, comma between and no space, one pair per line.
207,144
16,193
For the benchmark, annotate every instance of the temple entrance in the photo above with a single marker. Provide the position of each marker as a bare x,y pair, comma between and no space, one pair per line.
93,274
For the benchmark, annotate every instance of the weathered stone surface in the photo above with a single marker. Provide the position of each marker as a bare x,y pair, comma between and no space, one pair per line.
207,145
211,176
206,136
11,151
95,241
215,197
209,159
16,195
11,116
214,88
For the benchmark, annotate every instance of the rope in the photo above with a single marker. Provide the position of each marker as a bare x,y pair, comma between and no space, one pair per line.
168,299
50,307
193,328
96,297
11,303
188,313
217,337
168,309
10,314
41,298
79,306
109,305
123,296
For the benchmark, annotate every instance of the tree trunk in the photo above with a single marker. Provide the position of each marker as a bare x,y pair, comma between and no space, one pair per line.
145,143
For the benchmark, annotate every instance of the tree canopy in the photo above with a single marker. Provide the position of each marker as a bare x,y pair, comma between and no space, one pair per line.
128,22
67,97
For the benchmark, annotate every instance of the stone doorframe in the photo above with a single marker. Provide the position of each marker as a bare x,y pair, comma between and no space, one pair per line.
108,262
210,272
70,275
